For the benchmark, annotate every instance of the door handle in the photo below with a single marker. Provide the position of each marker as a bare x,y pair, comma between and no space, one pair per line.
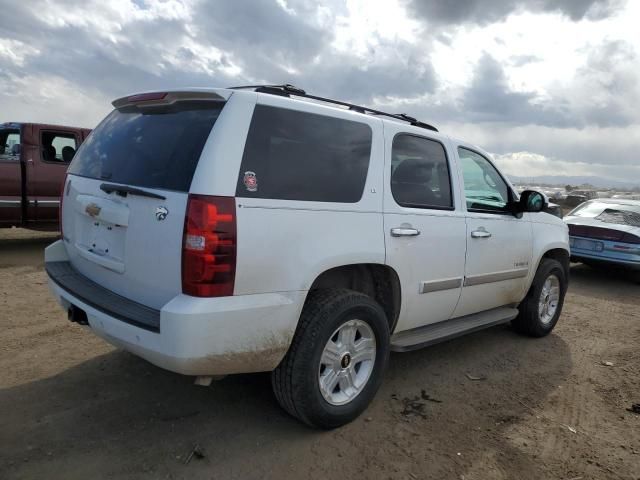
480,233
404,232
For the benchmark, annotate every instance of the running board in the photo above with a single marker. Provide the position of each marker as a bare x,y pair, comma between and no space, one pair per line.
441,331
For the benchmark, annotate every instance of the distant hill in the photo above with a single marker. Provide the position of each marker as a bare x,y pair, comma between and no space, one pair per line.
562,180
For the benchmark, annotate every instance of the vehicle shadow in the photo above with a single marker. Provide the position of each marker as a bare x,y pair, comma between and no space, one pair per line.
117,415
619,284
28,251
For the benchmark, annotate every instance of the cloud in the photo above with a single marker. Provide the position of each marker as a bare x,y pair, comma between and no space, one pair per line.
603,92
527,164
606,89
521,60
610,152
64,62
483,12
489,98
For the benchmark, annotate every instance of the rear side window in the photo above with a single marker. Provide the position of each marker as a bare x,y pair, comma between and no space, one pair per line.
420,173
58,147
153,147
291,155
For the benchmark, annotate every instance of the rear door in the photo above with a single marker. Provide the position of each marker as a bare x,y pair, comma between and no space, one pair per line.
47,170
126,193
424,225
10,177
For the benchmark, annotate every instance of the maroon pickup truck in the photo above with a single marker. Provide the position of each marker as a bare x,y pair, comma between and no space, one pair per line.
33,162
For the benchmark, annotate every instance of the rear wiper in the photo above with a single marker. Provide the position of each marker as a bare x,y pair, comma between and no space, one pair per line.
123,190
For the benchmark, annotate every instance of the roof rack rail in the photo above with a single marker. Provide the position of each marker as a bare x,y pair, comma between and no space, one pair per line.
288,90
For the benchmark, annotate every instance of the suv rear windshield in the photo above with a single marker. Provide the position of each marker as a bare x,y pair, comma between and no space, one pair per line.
293,155
153,147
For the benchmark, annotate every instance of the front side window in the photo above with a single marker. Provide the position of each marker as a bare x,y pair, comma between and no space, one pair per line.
293,155
484,188
9,144
58,147
420,173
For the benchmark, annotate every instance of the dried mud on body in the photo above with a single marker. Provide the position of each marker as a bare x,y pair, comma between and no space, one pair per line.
71,406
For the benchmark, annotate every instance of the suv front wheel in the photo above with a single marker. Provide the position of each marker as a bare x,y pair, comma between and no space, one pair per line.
541,308
336,360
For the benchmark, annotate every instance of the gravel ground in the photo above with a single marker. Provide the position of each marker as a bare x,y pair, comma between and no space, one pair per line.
489,405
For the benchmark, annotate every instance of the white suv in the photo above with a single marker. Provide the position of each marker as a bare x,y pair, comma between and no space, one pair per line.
219,231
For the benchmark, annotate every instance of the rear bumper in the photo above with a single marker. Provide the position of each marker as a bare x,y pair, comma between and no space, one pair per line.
609,253
598,259
195,336
579,256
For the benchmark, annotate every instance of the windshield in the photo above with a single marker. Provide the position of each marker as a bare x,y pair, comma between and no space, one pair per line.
155,147
618,213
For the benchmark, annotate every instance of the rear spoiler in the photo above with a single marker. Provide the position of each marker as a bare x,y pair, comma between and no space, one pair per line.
150,99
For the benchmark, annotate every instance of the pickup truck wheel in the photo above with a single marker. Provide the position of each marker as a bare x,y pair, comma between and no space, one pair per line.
541,308
336,361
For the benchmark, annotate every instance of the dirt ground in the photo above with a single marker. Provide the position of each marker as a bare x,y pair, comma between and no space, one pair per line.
499,405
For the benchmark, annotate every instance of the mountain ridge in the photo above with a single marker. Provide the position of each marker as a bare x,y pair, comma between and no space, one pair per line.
575,180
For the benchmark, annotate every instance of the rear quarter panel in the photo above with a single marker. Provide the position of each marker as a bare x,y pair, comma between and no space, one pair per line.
283,245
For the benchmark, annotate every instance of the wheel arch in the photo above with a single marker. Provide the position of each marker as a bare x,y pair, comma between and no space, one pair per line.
561,255
380,282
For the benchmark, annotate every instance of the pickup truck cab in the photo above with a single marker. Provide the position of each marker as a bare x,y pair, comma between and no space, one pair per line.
33,162
220,231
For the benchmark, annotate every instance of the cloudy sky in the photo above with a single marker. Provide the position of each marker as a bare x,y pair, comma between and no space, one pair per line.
547,86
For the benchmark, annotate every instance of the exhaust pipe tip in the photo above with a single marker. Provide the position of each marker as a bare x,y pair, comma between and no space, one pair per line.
77,315
205,380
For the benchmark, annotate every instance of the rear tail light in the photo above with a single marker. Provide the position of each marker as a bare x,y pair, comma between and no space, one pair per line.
147,97
209,246
630,238
63,191
596,233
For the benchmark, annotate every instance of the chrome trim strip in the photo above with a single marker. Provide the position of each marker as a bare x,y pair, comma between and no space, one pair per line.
44,203
437,285
10,203
495,277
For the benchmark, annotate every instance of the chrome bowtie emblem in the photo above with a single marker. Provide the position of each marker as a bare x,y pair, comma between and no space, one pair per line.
161,213
92,210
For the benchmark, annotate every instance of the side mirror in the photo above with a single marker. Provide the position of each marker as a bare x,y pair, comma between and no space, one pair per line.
15,149
532,201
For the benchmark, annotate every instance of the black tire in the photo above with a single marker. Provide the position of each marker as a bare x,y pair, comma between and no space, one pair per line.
295,381
528,322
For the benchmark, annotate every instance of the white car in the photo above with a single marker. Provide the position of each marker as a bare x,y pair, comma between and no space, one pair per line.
606,232
220,231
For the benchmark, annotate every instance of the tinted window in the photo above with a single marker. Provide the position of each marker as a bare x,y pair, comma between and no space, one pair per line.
154,147
293,155
484,188
420,173
58,147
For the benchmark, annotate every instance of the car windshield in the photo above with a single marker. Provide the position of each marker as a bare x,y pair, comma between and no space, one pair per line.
618,213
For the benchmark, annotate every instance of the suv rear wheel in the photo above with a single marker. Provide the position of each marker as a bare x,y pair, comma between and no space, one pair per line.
336,360
541,308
